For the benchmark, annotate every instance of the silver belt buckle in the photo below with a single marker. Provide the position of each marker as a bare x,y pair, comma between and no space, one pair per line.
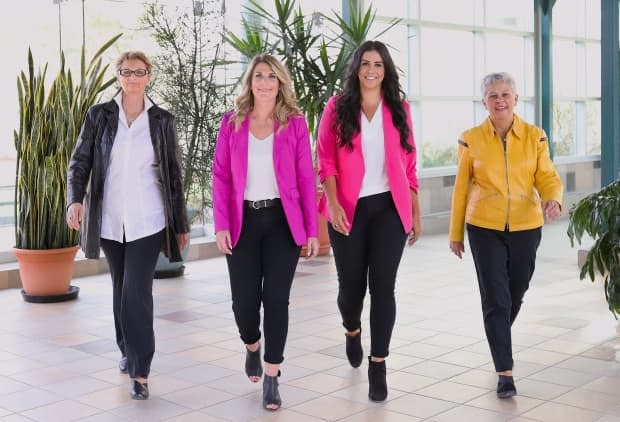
255,205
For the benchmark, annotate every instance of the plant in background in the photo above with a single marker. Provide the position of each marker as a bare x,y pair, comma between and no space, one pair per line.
598,215
316,60
48,129
190,67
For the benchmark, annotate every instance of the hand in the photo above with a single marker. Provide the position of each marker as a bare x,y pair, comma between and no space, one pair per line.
74,215
552,209
339,219
312,247
415,232
224,244
183,240
457,248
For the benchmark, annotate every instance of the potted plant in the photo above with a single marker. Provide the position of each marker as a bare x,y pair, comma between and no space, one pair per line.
316,60
598,216
186,82
49,124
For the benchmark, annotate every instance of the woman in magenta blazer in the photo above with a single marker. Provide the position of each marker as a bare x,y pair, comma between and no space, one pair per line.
367,164
264,210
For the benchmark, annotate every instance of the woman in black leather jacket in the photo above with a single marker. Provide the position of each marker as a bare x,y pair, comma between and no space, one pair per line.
126,194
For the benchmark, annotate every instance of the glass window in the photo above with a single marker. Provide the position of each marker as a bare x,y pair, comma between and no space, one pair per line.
396,40
460,12
505,53
445,62
593,127
564,69
442,122
593,70
564,128
510,14
593,19
565,16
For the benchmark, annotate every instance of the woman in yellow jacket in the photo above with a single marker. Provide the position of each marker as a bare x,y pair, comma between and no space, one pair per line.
505,181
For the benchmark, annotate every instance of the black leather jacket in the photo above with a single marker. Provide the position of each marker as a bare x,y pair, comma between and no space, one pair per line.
89,166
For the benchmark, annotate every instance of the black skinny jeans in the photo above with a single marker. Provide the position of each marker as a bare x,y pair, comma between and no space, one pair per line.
369,257
132,267
505,264
261,268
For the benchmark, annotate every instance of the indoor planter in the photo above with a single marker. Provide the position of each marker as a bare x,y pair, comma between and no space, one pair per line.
185,82
598,215
49,124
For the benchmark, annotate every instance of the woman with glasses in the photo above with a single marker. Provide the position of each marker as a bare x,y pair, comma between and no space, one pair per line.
505,183
264,207
125,193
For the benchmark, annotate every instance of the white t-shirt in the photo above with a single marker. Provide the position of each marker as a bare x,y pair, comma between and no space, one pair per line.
373,149
261,182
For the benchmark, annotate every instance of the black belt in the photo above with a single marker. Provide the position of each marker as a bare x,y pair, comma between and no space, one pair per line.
263,203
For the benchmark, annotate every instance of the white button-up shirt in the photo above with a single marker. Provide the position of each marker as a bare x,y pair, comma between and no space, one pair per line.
133,203
373,149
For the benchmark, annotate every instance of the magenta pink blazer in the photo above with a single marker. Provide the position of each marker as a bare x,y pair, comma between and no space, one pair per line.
292,162
348,165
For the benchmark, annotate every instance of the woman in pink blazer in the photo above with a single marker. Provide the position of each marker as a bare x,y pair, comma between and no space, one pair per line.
367,164
264,207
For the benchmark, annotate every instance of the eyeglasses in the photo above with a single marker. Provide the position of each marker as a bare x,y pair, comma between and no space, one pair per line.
126,73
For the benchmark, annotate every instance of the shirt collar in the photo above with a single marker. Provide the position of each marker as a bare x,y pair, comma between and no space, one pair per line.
517,129
119,101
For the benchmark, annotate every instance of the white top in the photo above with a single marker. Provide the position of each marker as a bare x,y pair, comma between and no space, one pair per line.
133,202
373,149
261,183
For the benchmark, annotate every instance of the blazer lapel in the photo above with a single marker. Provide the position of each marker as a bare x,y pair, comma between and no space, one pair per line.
279,137
240,151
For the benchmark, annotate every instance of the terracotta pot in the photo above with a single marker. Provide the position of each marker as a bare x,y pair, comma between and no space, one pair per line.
46,272
324,243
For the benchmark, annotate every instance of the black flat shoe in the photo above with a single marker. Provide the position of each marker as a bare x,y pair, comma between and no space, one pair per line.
271,394
355,354
122,364
253,366
139,391
377,384
506,387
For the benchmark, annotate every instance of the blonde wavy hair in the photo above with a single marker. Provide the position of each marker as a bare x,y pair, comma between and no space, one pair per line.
286,103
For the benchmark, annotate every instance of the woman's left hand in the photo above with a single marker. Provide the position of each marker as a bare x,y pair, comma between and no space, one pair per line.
415,232
182,239
552,209
312,247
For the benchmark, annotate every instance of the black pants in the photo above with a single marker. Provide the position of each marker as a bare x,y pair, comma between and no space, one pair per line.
504,264
261,269
369,257
132,267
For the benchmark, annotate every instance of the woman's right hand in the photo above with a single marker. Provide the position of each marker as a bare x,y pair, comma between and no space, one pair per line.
457,248
224,244
74,215
339,219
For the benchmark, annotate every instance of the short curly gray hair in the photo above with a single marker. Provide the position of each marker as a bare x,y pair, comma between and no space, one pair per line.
491,78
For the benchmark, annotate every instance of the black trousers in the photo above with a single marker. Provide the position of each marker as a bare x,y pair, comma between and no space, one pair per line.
369,258
504,264
261,268
132,267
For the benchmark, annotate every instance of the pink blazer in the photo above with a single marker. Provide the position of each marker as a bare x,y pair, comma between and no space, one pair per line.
292,162
348,165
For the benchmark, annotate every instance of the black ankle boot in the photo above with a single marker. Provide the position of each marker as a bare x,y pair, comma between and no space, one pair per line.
355,354
377,385
271,394
506,387
253,366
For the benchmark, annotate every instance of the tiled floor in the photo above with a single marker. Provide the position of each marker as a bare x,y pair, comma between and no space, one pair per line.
58,361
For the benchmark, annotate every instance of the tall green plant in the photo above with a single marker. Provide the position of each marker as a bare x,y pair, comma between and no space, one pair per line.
598,215
316,60
48,129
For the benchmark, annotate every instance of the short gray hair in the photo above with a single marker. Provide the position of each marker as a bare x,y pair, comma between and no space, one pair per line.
491,78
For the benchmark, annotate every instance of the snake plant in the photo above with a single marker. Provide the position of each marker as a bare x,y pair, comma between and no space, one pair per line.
48,129
598,215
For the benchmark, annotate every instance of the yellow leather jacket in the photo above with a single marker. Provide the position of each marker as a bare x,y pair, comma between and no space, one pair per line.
499,185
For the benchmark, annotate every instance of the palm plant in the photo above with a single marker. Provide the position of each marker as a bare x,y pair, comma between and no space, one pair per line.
598,216
48,129
316,60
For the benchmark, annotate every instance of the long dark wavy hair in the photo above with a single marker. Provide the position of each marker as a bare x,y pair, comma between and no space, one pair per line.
348,103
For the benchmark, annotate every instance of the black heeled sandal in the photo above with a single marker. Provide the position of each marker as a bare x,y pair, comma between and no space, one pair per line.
355,354
253,366
271,393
